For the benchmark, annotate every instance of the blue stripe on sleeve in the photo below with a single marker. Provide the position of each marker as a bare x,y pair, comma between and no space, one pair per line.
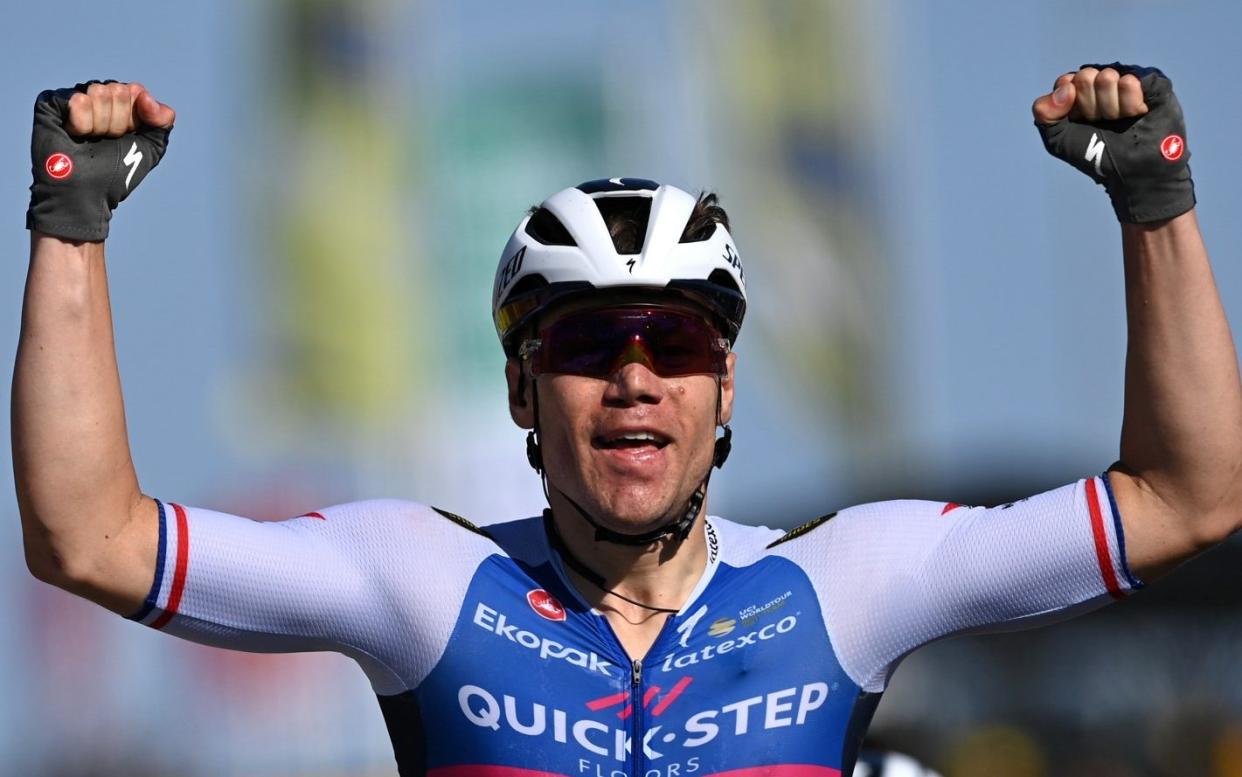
1134,582
153,595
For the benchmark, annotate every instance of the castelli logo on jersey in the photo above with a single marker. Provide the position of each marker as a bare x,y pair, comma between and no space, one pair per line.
59,166
545,604
1172,147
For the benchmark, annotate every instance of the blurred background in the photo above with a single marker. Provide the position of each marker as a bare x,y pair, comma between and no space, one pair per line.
301,295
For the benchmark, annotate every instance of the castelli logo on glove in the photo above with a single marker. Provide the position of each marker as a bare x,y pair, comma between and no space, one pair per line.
59,166
545,604
1172,147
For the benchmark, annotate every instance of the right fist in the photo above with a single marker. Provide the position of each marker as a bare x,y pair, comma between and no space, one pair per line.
91,146
1122,126
114,109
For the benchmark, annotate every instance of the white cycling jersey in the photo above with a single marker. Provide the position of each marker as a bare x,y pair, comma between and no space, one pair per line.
487,661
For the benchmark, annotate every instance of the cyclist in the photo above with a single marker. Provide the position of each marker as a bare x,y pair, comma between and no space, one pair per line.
624,631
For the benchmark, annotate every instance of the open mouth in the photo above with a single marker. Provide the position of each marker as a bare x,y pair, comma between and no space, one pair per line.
625,440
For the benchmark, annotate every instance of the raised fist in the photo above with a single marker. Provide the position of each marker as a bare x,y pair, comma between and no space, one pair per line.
1123,126
91,146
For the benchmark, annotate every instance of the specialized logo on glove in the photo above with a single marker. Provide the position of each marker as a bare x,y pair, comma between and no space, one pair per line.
79,181
1142,161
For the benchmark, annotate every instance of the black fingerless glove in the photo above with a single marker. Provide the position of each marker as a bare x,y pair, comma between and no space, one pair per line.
1141,161
77,183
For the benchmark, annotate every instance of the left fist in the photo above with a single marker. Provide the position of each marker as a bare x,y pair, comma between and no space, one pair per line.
1123,126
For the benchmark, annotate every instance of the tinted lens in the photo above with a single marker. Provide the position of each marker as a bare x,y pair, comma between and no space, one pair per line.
597,343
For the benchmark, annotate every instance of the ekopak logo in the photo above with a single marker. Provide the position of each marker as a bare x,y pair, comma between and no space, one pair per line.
1171,147
59,166
545,605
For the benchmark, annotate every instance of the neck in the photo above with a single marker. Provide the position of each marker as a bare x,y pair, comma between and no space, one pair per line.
660,575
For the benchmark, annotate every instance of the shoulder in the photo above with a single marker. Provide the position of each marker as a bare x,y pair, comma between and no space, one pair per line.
737,544
875,515
401,522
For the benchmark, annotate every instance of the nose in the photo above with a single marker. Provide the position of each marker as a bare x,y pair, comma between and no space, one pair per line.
634,383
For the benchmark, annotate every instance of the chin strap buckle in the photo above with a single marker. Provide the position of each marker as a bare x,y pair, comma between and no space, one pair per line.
533,454
724,445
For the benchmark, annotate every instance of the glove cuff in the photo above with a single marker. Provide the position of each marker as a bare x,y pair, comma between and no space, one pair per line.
48,216
1154,200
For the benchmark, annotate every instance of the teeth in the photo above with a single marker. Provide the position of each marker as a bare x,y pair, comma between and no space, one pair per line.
633,437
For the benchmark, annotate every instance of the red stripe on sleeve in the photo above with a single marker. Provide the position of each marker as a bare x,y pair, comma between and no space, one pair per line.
1102,555
178,582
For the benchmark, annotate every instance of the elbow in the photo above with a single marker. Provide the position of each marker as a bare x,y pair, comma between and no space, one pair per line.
45,565
1213,527
1224,517
54,567
1209,534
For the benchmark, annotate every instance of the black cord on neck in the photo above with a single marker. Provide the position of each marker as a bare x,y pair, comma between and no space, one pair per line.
593,577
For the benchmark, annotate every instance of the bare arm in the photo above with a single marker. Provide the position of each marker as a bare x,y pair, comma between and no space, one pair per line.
86,525
1179,481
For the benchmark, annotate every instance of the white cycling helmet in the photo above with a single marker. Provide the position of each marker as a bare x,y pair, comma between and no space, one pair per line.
563,249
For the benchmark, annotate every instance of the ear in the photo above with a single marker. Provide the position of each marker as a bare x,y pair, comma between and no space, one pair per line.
726,388
521,409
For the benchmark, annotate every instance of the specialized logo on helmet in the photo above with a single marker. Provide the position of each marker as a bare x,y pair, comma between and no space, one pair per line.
511,269
545,605
1171,148
59,166
733,260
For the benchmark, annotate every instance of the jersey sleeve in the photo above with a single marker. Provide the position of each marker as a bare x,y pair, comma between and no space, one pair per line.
895,575
362,579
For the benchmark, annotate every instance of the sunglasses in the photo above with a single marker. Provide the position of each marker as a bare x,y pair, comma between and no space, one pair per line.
597,343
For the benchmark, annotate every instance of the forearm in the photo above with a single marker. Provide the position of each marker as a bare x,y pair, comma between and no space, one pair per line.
1182,429
76,486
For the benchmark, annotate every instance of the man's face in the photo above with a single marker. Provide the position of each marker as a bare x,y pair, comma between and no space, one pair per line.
630,448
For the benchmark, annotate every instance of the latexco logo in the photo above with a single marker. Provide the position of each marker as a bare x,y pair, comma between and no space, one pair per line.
495,622
545,605
708,652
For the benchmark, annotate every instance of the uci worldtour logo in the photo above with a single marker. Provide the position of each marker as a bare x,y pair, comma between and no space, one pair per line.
750,615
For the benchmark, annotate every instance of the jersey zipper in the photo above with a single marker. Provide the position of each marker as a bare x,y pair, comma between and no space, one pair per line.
636,692
636,714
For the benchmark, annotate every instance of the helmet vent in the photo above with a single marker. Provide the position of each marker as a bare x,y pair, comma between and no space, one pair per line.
626,218
548,229
529,283
723,278
706,215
